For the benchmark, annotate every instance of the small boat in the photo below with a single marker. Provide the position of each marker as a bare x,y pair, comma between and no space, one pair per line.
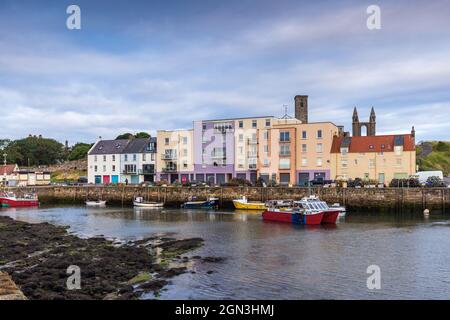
209,203
9,199
139,202
295,216
314,204
97,203
243,203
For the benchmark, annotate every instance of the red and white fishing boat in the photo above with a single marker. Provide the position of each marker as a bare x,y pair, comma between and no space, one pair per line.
9,199
314,204
293,214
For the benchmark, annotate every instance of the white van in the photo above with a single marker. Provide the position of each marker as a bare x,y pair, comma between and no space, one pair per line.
424,175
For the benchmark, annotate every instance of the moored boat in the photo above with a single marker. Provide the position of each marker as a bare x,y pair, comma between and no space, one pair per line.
139,202
244,204
338,207
96,203
9,199
296,216
209,203
314,204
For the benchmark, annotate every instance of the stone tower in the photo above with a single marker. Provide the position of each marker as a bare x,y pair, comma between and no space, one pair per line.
301,108
357,125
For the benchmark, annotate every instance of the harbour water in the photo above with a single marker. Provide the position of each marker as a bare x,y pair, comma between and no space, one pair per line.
281,261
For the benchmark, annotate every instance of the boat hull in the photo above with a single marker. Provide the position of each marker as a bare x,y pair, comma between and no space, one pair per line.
293,217
95,203
249,205
148,205
15,203
330,216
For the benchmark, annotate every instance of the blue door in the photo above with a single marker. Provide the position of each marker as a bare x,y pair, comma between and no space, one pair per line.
134,179
98,179
114,179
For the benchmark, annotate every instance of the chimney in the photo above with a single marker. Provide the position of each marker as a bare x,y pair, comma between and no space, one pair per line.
301,108
413,132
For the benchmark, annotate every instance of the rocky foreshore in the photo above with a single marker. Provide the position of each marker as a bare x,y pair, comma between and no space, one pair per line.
37,257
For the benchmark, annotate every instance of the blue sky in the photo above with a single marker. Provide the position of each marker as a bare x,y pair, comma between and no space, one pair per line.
148,65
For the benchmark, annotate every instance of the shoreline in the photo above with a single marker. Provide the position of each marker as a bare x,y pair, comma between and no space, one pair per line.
37,257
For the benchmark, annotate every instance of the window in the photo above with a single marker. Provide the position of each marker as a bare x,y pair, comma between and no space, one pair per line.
344,163
185,140
95,158
371,163
185,164
267,122
398,150
185,152
254,124
319,148
303,134
113,168
398,161
130,168
285,150
356,161
266,162
144,157
104,158
166,141
241,138
266,148
241,150
304,162
240,164
104,168
134,157
125,157
285,163
204,126
319,162
95,168
113,157
284,136
371,146
344,151
266,135
152,158
304,147
241,124
319,134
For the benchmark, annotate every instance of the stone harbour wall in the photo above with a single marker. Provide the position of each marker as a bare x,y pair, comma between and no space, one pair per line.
396,199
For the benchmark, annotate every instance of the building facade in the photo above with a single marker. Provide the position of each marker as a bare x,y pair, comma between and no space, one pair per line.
378,158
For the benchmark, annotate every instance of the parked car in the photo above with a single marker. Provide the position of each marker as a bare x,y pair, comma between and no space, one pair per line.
320,182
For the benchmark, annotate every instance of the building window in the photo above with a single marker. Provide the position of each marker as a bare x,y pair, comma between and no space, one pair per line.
356,162
304,162
254,123
185,139
267,122
344,163
285,150
113,157
241,124
266,135
319,134
241,138
95,168
152,157
319,162
344,151
130,168
104,168
144,157
113,168
95,158
304,147
104,158
204,126
371,163
125,157
285,163
319,148
185,164
266,162
266,148
134,157
304,134
241,150
284,136
399,161
398,150
166,141
240,164
185,152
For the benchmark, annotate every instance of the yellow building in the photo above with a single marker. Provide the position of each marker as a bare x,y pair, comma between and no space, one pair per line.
381,158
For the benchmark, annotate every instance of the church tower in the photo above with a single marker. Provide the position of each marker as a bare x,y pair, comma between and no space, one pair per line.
356,129
301,108
357,125
371,129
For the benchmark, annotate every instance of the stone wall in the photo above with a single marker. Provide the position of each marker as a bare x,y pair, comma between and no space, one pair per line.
364,198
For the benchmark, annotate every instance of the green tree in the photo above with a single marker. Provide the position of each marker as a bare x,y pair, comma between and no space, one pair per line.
126,136
35,151
79,151
142,135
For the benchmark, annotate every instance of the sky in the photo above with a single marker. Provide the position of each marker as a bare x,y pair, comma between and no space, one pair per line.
150,65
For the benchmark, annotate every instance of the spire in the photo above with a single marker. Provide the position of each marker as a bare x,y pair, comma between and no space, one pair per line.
372,115
413,132
355,115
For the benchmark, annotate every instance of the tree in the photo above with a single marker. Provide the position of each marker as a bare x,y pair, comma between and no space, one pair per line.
35,151
130,136
79,151
142,135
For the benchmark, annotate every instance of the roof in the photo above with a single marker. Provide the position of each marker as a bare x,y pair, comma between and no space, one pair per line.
109,147
8,169
384,143
140,145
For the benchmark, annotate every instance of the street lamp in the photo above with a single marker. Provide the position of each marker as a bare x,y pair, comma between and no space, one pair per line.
4,171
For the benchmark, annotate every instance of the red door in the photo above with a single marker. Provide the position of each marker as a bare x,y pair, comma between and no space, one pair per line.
106,180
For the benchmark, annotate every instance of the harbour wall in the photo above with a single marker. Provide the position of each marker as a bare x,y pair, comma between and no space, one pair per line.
396,199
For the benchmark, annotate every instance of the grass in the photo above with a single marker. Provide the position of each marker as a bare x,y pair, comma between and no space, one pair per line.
141,277
438,159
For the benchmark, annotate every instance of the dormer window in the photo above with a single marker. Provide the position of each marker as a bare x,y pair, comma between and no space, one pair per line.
383,146
371,146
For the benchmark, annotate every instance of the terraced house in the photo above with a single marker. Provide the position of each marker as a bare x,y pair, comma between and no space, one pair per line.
122,161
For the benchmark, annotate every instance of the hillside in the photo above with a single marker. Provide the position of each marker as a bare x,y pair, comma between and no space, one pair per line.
66,171
434,155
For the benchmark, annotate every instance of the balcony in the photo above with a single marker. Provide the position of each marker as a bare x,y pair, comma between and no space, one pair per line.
146,171
128,171
169,156
252,141
285,153
169,169
219,156
252,154
252,166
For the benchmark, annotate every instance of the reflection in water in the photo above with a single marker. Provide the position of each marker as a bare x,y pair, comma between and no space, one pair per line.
265,260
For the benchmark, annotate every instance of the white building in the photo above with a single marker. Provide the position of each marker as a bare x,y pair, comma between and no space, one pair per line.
122,161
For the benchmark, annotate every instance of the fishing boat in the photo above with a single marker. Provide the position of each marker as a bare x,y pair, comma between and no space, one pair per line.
9,199
293,215
140,203
96,203
209,203
338,207
314,204
244,204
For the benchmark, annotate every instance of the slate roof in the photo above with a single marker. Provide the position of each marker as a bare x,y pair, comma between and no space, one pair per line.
384,143
109,147
140,145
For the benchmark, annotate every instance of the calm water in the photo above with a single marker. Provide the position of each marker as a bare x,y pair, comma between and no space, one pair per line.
281,261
